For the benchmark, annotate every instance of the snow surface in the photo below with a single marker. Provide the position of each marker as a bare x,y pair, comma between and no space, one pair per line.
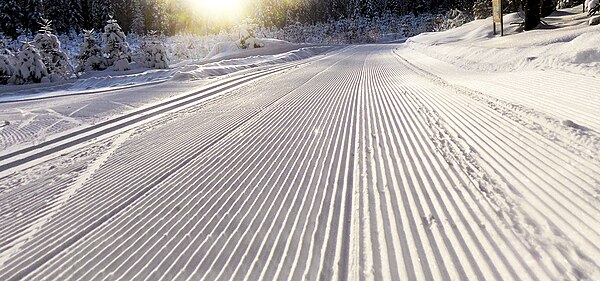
454,156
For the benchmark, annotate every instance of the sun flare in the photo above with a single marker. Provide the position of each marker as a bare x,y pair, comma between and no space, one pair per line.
220,9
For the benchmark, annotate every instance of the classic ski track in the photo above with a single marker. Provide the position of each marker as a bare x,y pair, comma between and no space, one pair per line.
117,210
132,119
584,142
356,167
554,230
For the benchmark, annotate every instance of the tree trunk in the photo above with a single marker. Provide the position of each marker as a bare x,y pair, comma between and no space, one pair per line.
532,14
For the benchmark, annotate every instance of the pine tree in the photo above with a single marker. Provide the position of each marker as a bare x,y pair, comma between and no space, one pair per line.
11,14
482,9
29,67
123,13
34,11
99,12
7,68
155,55
155,15
116,49
56,61
137,24
90,54
66,15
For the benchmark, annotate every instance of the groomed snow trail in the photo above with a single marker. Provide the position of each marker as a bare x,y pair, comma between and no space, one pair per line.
358,166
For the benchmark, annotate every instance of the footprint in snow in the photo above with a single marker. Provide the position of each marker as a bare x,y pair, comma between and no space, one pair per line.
571,124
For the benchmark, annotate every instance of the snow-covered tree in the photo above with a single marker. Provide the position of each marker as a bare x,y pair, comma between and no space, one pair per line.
66,15
6,64
591,5
155,54
56,61
11,14
116,49
247,38
99,12
90,54
137,24
29,67
155,15
482,9
561,4
6,69
33,10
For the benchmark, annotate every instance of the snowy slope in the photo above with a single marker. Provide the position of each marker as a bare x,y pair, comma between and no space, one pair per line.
59,107
373,162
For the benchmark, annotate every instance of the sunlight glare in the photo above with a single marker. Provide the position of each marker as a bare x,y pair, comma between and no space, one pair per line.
220,8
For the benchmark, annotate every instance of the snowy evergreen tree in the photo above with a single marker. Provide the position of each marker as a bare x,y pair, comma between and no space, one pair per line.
90,54
56,61
99,12
482,9
137,24
29,67
155,54
66,15
155,15
116,49
11,14
7,68
247,38
33,10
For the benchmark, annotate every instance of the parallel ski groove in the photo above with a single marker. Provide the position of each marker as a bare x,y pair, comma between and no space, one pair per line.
356,166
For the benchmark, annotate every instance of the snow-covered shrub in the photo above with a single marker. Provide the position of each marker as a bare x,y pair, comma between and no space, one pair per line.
155,55
90,54
453,19
56,61
561,4
7,68
116,49
195,47
29,66
247,38
357,30
482,9
592,6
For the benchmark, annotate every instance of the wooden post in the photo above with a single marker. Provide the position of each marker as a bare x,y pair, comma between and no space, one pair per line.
497,16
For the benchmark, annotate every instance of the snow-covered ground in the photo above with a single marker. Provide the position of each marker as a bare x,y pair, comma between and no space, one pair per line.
453,156
68,105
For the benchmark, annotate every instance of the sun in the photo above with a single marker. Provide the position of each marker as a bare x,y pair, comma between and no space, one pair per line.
220,8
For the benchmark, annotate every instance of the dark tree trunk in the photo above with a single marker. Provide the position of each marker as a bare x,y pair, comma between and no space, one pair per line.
548,7
532,14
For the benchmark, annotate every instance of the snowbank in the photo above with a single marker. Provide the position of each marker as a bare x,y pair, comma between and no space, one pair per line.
567,43
231,49
223,62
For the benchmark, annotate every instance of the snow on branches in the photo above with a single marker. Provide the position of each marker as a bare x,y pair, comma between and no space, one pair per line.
90,54
247,38
155,54
6,63
30,66
116,49
56,61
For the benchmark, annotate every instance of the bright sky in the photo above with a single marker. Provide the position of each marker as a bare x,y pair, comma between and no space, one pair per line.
224,9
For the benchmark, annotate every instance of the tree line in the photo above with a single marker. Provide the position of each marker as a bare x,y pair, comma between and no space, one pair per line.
176,16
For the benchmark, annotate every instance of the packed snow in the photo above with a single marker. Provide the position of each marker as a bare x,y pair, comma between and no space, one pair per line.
456,155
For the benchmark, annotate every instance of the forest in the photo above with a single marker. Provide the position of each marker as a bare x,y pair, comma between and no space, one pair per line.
172,17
